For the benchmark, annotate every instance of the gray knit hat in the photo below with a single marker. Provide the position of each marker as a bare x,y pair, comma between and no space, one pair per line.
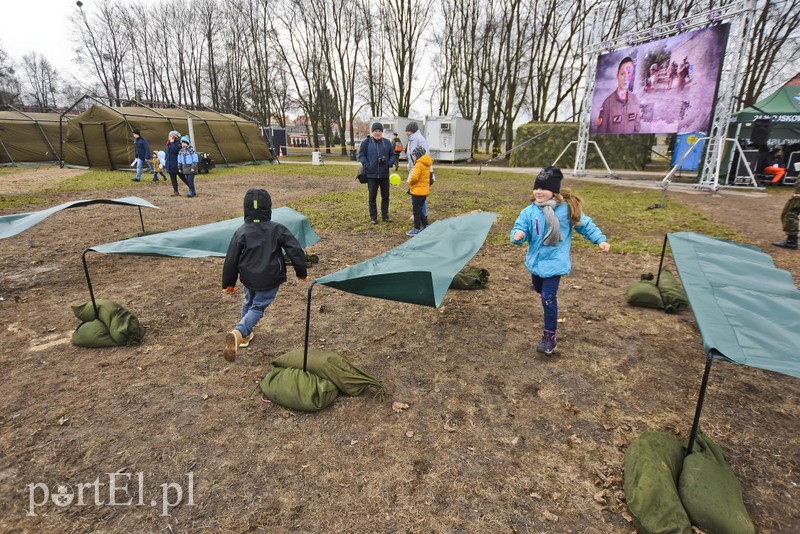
412,127
175,133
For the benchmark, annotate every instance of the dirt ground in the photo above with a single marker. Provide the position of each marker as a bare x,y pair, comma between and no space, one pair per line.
496,438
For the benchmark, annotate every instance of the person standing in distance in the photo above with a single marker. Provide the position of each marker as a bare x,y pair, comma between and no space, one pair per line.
141,150
377,156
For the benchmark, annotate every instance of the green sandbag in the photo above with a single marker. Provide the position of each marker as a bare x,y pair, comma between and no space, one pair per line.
331,366
672,292
652,465
297,390
711,493
121,326
470,278
93,334
645,293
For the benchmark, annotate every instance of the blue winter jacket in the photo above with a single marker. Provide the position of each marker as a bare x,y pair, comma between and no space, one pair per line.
141,148
551,260
369,152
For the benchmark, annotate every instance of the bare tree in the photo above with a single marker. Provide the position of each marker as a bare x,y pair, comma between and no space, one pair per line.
10,88
774,49
103,49
340,43
42,79
403,23
375,89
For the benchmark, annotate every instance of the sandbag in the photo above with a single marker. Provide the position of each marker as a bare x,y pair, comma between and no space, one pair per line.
470,277
113,326
331,366
645,293
653,464
298,390
710,492
672,293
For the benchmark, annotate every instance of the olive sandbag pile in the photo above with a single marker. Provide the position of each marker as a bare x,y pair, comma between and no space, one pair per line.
113,325
667,295
711,493
667,493
653,464
470,277
327,374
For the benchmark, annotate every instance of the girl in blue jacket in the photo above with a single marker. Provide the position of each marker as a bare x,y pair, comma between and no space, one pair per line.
547,226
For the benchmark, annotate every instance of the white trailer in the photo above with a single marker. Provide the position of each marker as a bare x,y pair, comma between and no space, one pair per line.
449,138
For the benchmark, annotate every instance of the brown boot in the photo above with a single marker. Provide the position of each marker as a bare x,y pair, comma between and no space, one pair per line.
246,340
232,341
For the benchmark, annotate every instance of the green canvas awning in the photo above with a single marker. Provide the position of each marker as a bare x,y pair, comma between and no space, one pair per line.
208,239
420,270
19,222
747,310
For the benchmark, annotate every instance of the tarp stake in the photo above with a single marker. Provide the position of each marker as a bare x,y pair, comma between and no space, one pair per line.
661,263
89,281
308,325
702,396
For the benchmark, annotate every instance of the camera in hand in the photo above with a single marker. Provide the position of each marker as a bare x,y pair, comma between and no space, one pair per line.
382,160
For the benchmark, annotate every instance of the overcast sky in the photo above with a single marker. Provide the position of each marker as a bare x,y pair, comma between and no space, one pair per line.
42,26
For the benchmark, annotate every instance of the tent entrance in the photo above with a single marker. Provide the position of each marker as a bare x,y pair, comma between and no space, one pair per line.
96,145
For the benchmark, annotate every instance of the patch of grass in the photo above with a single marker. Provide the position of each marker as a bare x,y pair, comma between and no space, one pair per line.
20,201
619,211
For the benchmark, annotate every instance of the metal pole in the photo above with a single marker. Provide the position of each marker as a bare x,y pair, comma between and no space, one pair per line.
703,386
661,263
308,325
89,282
141,219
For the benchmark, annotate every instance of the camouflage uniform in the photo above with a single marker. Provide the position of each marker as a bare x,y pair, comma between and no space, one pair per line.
790,216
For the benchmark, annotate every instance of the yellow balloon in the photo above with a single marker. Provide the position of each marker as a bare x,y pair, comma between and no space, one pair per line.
394,179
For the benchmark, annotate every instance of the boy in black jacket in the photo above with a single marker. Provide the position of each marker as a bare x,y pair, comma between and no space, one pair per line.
255,257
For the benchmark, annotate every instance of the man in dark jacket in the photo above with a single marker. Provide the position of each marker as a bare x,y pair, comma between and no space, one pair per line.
255,257
141,150
377,156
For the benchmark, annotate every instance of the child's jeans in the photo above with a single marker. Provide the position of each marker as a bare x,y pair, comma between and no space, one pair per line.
417,201
548,289
253,306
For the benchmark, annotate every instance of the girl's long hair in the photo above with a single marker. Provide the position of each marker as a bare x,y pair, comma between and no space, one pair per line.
574,202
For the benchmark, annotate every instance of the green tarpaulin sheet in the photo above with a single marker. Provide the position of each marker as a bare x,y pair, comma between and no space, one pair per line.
420,270
747,310
208,239
19,222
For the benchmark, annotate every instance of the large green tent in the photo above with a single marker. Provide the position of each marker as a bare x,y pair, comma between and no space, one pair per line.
781,107
101,135
28,137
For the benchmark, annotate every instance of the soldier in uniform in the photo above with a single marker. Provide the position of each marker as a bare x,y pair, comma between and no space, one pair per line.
620,112
790,218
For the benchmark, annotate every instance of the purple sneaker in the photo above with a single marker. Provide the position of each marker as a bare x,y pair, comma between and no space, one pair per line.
547,345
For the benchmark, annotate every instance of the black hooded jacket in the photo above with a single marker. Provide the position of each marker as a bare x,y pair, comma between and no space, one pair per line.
254,254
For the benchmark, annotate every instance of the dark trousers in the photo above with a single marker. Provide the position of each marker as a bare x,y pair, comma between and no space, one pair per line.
417,204
173,176
548,290
373,184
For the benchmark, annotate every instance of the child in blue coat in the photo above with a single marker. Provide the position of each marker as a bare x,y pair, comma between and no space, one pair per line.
546,225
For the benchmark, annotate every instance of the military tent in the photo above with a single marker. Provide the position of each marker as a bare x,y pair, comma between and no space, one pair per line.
28,137
782,108
101,135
